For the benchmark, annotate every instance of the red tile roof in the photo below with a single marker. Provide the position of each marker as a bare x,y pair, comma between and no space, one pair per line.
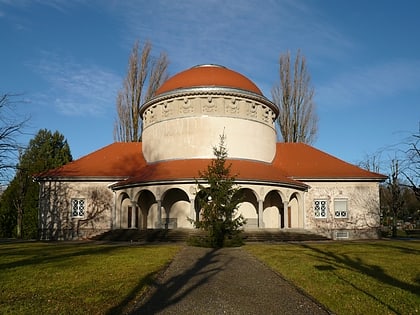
118,160
189,170
301,161
293,162
208,76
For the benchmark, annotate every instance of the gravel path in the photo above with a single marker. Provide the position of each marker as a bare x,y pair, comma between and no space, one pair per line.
223,281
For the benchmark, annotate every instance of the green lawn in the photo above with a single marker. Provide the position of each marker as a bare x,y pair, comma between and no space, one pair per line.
371,277
76,278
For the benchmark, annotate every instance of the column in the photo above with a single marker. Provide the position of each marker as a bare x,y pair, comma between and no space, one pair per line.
159,218
286,214
192,210
260,214
134,214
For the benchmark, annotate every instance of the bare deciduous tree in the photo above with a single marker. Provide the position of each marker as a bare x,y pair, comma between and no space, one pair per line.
297,119
394,199
412,172
11,125
145,75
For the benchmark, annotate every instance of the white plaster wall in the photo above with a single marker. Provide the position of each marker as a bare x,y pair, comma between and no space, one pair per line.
271,218
195,137
249,212
181,211
189,127
55,209
294,219
152,217
363,205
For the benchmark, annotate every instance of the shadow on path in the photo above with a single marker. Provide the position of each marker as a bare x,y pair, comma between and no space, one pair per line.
223,281
180,282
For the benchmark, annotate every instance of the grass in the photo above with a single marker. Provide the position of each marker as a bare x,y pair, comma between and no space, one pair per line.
76,278
372,277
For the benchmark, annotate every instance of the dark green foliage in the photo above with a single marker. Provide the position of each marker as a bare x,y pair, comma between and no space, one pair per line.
19,202
218,199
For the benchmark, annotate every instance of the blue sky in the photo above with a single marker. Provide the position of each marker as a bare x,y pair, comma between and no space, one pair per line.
68,59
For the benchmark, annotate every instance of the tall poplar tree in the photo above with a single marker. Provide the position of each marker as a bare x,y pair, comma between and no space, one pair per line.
145,75
297,118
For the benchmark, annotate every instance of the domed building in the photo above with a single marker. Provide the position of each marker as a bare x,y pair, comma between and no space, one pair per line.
153,184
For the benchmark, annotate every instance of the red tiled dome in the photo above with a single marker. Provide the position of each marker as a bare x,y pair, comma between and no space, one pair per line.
208,76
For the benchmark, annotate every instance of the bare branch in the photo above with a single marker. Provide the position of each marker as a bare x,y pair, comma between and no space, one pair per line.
143,71
11,126
297,119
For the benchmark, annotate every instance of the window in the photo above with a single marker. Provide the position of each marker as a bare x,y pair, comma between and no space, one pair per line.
320,209
78,208
341,234
340,208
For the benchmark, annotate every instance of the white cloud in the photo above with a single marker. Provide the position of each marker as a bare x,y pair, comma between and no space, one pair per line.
242,34
77,89
247,36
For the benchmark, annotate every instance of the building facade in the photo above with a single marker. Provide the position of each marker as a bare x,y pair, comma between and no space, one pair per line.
153,184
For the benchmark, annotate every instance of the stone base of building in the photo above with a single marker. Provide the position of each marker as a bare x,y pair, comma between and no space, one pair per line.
352,234
68,234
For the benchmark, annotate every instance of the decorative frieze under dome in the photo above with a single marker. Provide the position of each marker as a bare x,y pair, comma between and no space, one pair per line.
205,103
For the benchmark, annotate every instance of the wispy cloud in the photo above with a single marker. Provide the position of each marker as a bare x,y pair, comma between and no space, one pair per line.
374,82
247,36
76,89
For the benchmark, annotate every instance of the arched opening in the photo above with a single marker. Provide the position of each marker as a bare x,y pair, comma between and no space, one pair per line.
201,196
249,208
273,214
176,212
293,211
128,214
148,209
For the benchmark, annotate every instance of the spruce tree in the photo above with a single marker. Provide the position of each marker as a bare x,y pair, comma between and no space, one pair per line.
220,200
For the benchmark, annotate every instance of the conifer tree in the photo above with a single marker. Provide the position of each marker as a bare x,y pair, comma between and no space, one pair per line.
221,197
19,202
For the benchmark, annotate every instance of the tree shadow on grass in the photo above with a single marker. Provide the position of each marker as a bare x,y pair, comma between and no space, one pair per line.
39,253
336,261
167,292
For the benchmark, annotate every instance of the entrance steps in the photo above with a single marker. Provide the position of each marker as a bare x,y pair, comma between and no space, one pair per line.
285,235
182,235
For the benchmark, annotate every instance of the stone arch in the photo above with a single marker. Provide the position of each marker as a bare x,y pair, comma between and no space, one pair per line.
296,210
249,207
273,210
176,204
147,203
200,197
293,211
123,217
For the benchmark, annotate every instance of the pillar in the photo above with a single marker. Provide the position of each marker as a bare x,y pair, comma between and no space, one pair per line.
134,214
159,210
192,210
286,214
260,214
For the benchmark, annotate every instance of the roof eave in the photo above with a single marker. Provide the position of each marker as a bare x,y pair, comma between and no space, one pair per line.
122,184
79,178
340,179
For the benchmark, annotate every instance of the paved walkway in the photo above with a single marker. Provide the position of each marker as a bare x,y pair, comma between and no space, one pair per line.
223,281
